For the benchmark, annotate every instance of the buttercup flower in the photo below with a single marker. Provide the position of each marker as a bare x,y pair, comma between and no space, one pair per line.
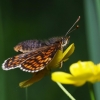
80,73
59,57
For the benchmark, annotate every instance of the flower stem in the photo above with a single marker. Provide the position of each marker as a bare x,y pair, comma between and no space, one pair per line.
26,93
91,91
66,92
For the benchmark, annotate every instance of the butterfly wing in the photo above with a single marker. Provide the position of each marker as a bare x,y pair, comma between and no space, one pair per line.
14,62
33,61
32,45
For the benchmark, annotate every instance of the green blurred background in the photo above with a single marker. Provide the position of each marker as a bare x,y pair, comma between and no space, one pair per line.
41,19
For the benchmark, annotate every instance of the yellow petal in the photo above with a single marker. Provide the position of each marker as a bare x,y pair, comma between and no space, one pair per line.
98,69
56,60
96,76
79,83
82,69
68,51
37,76
66,78
62,77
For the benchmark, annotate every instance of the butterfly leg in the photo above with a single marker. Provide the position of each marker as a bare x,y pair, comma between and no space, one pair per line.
61,64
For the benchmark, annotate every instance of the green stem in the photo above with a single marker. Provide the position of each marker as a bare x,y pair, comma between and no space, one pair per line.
65,91
91,91
26,93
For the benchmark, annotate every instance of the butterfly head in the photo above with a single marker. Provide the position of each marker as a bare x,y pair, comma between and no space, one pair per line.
65,41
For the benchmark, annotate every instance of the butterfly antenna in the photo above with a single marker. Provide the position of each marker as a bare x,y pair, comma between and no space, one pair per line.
70,30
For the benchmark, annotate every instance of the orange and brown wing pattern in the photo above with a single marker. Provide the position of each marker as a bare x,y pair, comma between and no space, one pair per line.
32,61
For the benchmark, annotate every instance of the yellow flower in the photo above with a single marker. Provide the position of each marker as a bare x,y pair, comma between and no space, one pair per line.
58,58
80,73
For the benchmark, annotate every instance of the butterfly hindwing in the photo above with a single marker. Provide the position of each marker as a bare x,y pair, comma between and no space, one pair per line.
32,61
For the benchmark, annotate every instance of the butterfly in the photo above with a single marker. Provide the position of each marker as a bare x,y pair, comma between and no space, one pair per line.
36,54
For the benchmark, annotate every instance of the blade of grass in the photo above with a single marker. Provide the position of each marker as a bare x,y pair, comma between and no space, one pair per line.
2,75
92,15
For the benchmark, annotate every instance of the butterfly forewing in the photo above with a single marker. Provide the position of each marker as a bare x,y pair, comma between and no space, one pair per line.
32,61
